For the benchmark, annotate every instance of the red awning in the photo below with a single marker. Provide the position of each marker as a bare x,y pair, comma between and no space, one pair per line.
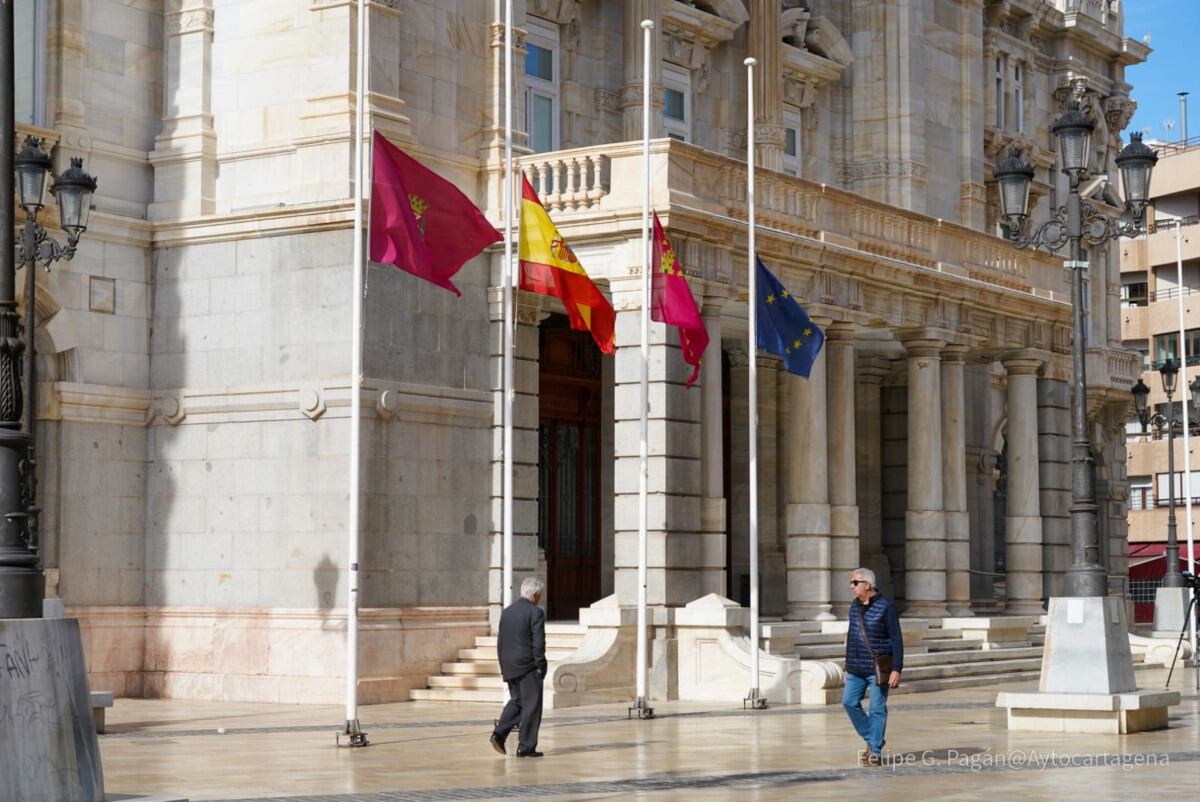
1144,554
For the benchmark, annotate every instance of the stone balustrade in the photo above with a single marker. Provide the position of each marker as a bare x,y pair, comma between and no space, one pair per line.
568,179
608,179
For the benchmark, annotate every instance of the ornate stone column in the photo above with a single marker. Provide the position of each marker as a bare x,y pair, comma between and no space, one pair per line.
924,522
843,486
809,557
684,563
631,90
772,569
185,153
526,360
868,464
954,483
712,437
764,45
1023,523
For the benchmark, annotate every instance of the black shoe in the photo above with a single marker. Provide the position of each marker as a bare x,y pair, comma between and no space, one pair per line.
498,745
530,753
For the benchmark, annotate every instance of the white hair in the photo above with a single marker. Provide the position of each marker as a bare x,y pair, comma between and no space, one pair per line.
865,573
531,587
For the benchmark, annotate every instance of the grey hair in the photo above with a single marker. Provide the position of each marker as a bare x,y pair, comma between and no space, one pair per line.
531,587
865,573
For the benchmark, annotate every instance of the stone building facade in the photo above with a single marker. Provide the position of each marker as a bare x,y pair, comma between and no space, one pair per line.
194,357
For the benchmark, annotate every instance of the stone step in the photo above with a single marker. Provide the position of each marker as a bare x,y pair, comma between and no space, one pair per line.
991,667
489,696
475,668
552,641
951,644
817,638
487,654
825,651
970,681
973,656
466,681
565,628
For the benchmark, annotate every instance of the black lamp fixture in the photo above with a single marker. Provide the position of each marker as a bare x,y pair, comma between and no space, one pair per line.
32,165
1141,394
73,188
1169,372
1071,225
1074,132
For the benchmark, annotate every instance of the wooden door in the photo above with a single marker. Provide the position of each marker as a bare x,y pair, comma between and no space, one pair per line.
569,467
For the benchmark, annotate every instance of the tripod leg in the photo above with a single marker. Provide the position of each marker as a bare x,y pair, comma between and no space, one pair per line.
1182,631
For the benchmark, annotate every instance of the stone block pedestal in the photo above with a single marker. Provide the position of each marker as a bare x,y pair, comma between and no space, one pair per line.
1170,611
1087,682
1115,713
50,751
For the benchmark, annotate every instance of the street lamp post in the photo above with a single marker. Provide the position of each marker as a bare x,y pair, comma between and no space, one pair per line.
21,581
1169,371
1072,225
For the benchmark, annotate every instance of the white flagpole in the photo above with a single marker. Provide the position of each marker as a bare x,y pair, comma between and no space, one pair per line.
1184,391
353,729
507,389
753,698
640,704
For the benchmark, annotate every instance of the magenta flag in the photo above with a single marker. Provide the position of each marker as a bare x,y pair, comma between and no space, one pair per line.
420,222
671,302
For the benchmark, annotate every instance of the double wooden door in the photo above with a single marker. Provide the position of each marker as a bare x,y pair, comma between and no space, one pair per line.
569,395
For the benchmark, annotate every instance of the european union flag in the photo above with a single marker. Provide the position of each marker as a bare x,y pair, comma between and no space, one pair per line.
783,328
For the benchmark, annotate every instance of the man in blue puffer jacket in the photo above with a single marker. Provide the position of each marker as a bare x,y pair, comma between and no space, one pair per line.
882,624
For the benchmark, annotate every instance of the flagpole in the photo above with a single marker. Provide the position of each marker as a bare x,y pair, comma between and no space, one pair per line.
1187,452
507,389
753,698
352,728
640,703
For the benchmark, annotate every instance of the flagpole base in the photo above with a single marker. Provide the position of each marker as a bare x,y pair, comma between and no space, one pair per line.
353,733
754,701
641,708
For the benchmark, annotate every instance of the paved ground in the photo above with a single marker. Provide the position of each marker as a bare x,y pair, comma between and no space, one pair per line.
949,745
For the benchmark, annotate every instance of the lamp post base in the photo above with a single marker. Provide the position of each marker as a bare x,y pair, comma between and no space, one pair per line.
1170,610
1087,682
21,591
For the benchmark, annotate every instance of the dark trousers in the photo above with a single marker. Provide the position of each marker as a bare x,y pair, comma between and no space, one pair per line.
524,705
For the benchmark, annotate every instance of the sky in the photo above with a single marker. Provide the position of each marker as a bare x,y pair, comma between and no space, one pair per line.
1173,67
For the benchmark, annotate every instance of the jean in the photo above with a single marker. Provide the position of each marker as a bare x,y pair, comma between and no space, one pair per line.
870,726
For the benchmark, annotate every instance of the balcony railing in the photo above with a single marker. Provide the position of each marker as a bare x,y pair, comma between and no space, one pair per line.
1168,223
606,179
1173,293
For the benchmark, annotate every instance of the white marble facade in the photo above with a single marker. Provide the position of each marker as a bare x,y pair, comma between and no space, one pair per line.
195,354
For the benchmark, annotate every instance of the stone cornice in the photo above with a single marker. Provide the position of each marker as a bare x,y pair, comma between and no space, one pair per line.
383,400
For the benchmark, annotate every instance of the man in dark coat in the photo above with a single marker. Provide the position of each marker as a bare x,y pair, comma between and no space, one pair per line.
872,615
521,647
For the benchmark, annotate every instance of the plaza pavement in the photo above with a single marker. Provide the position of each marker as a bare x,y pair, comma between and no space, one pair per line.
949,745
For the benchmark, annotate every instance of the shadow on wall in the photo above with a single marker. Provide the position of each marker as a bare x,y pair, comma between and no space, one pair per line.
325,581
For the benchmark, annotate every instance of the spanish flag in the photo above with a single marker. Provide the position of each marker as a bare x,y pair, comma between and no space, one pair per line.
549,267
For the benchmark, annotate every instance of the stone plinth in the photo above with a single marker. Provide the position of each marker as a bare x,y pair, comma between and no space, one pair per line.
714,660
1170,611
1116,713
1087,682
1006,632
50,751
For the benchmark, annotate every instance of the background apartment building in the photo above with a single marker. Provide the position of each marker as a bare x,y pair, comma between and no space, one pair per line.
1151,295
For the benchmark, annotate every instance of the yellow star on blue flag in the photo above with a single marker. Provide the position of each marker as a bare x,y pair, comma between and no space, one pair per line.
783,327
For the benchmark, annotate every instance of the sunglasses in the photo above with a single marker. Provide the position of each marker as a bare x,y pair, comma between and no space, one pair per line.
854,582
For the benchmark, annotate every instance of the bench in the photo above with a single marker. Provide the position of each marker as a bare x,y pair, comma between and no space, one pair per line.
100,701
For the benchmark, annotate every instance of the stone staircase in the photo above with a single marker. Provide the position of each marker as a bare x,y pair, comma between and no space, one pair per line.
936,658
943,658
475,676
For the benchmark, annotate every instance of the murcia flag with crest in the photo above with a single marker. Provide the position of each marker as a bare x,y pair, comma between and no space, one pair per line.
420,222
549,267
671,301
